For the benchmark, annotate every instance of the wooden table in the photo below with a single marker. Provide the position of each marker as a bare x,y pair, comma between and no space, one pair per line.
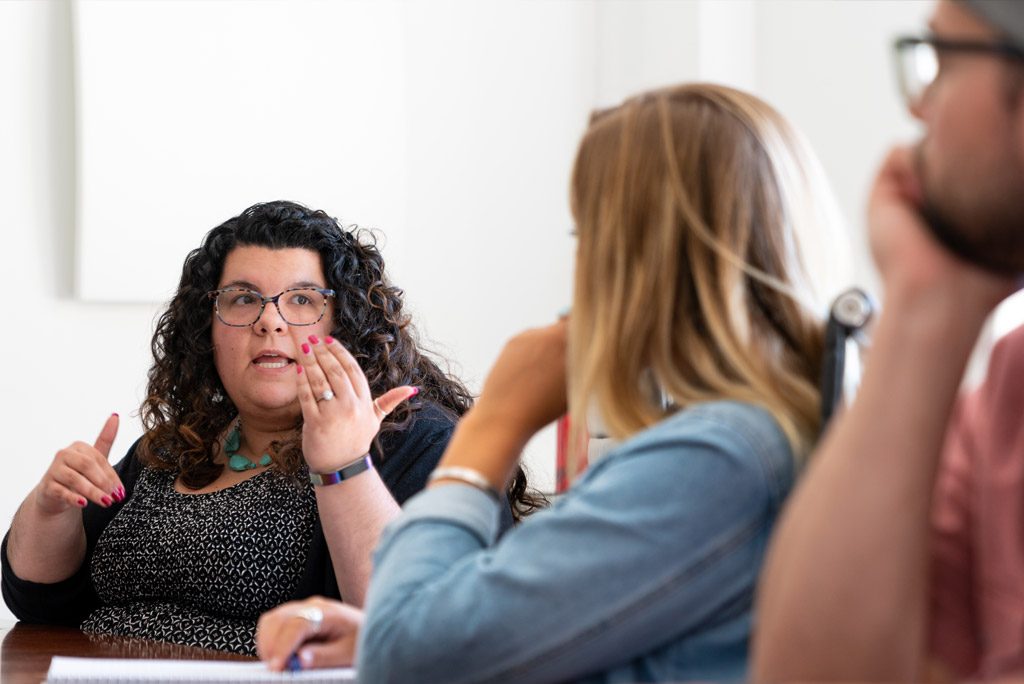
26,650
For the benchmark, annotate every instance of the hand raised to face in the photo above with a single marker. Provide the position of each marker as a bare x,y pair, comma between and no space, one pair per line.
524,391
340,416
526,387
911,261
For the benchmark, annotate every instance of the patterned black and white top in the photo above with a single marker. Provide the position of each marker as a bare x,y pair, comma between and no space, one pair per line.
199,569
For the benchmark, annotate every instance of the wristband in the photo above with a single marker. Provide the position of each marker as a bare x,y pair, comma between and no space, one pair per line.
360,465
468,476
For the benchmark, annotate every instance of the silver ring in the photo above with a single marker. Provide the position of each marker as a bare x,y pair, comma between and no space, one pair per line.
313,615
381,411
326,396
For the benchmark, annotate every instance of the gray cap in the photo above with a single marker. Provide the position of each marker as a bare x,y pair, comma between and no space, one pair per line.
1005,15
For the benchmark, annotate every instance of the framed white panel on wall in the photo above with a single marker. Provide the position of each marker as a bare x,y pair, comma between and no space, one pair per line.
188,112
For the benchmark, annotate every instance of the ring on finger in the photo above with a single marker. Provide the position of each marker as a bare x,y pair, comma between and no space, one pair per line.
326,396
313,615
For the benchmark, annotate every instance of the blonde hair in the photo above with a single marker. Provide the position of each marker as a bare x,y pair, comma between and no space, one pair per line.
690,283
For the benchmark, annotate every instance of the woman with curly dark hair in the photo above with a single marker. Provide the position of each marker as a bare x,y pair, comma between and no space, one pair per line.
289,413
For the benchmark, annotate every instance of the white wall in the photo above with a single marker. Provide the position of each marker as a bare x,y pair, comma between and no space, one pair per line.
828,67
487,250
68,364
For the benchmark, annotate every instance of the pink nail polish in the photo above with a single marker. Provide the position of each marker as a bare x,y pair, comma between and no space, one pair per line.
114,495
116,414
298,369
313,339
415,391
328,339
105,500
305,348
120,490
81,502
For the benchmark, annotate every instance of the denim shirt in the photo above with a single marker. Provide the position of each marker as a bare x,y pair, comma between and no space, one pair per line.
644,571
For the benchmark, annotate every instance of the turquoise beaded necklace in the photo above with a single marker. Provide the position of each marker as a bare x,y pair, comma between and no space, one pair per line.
237,461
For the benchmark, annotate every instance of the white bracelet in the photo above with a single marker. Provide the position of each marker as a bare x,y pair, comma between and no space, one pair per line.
467,475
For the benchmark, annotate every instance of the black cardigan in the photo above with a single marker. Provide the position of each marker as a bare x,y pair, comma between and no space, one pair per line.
411,455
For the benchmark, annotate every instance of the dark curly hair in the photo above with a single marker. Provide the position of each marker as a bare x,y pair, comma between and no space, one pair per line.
186,408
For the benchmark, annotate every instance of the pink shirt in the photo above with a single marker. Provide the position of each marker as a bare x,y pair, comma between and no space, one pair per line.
977,588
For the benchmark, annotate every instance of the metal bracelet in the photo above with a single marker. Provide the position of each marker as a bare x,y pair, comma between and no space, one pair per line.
360,465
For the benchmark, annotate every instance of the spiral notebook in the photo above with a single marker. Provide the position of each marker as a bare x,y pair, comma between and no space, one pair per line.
94,670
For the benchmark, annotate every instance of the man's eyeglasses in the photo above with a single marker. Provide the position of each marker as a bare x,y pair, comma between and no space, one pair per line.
917,60
240,307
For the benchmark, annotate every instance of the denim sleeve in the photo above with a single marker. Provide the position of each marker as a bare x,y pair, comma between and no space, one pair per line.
657,540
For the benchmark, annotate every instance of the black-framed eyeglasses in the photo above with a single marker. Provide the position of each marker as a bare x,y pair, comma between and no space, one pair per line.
918,60
240,307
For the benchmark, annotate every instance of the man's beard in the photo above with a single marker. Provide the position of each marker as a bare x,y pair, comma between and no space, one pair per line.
991,235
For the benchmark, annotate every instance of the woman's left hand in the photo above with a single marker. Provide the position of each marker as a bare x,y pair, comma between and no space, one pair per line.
320,632
340,416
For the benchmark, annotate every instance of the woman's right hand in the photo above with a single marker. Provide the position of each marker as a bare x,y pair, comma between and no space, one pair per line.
524,391
526,387
81,473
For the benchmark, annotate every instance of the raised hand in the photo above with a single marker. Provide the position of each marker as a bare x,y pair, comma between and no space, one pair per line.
526,387
81,473
340,416
525,390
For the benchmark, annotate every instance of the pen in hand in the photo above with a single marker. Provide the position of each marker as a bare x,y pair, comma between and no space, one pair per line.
308,634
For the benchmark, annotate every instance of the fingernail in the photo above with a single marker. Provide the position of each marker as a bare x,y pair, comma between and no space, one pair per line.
105,500
298,369
306,657
81,502
415,391
305,348
115,496
116,414
328,339
121,490
313,339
